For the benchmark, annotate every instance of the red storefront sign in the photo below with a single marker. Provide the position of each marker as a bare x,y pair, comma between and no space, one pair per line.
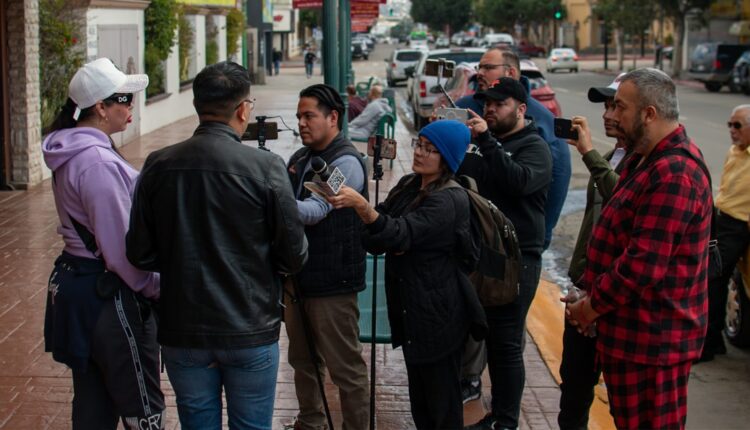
307,4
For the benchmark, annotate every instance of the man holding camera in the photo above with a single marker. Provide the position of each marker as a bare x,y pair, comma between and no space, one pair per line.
218,220
512,165
501,62
579,371
324,299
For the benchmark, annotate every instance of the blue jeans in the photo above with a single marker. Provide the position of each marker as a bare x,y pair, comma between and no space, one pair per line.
247,375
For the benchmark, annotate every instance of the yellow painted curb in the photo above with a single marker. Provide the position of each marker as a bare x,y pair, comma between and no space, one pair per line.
545,324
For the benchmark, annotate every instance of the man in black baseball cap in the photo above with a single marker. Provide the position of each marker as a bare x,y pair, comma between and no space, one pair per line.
514,170
579,370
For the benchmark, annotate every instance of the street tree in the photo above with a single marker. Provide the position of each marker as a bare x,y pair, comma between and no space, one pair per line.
442,15
631,18
503,15
677,10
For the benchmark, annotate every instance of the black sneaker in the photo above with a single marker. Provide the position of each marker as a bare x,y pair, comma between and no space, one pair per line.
471,388
486,423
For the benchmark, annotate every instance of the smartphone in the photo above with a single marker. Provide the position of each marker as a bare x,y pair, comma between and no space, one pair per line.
564,129
271,130
387,148
461,115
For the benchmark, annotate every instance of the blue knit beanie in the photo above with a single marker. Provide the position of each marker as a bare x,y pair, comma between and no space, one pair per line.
451,138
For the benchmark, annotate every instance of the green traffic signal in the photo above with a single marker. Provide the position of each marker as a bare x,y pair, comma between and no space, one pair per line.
558,14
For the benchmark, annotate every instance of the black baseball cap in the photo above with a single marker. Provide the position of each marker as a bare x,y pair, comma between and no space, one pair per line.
502,89
601,94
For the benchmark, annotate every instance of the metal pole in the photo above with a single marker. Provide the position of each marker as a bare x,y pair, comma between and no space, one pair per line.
377,175
330,43
344,54
345,41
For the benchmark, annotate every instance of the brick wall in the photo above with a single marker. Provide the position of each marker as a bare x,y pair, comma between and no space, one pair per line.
25,110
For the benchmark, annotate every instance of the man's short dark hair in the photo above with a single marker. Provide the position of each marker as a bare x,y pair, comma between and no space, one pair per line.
219,88
509,57
328,100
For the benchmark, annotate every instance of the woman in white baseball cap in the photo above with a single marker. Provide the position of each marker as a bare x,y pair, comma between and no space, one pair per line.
98,319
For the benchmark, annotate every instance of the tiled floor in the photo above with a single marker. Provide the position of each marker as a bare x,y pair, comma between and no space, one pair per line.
35,392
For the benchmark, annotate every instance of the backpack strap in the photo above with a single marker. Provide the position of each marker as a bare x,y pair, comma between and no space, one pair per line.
88,239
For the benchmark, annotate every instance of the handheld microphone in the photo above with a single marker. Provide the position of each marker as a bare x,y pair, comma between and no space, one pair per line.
327,180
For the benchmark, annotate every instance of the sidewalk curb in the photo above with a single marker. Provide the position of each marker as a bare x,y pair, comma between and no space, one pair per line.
545,325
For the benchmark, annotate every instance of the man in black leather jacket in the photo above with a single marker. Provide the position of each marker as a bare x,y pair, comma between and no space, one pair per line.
335,272
219,221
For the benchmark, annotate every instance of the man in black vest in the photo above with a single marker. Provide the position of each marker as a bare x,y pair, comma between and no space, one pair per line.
335,271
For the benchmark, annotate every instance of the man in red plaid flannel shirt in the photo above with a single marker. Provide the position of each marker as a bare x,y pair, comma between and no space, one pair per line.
646,274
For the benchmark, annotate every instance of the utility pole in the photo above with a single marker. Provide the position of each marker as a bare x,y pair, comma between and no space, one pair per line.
345,42
345,57
330,43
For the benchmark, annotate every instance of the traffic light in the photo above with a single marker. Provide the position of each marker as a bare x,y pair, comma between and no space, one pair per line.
558,14
390,11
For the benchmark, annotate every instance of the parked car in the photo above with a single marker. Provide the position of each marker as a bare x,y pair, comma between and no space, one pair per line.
530,50
365,37
712,63
540,88
359,49
738,305
419,86
399,60
492,40
463,84
562,58
442,42
419,44
741,73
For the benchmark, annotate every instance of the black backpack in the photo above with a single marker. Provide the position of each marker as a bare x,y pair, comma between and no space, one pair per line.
496,277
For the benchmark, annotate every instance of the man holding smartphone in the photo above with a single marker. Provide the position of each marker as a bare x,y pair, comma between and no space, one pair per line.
513,168
579,371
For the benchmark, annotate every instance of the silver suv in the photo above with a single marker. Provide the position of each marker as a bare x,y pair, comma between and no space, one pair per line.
395,69
422,90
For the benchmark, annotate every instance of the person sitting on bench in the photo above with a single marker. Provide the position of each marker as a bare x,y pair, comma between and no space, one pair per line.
363,126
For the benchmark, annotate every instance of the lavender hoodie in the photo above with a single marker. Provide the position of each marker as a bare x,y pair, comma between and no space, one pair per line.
94,185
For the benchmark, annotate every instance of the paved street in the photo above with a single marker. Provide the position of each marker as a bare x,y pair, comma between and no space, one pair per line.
35,392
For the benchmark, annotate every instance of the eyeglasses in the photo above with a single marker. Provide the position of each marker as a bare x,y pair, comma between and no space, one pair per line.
734,124
251,101
123,99
417,144
488,67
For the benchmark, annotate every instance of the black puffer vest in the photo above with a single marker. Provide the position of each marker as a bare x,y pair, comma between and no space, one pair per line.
336,262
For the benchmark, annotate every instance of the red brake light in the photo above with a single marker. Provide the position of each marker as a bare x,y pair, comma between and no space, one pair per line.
422,89
717,64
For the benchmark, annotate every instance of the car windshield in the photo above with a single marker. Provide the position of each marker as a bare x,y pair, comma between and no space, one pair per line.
409,56
563,52
459,57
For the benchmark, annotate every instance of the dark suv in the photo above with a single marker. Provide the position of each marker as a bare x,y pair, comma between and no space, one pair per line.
711,63
741,73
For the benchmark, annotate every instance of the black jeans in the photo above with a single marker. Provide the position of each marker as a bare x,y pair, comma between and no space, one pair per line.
580,373
734,237
505,344
435,393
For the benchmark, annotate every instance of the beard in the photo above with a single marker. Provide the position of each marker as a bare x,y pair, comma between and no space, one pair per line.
634,137
502,126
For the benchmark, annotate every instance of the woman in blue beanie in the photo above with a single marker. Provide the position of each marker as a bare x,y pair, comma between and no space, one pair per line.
424,229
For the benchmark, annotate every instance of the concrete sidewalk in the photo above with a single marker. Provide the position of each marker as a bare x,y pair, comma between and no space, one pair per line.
36,392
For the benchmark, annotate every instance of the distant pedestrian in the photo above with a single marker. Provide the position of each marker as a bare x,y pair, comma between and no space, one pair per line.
310,57
732,218
277,56
97,321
